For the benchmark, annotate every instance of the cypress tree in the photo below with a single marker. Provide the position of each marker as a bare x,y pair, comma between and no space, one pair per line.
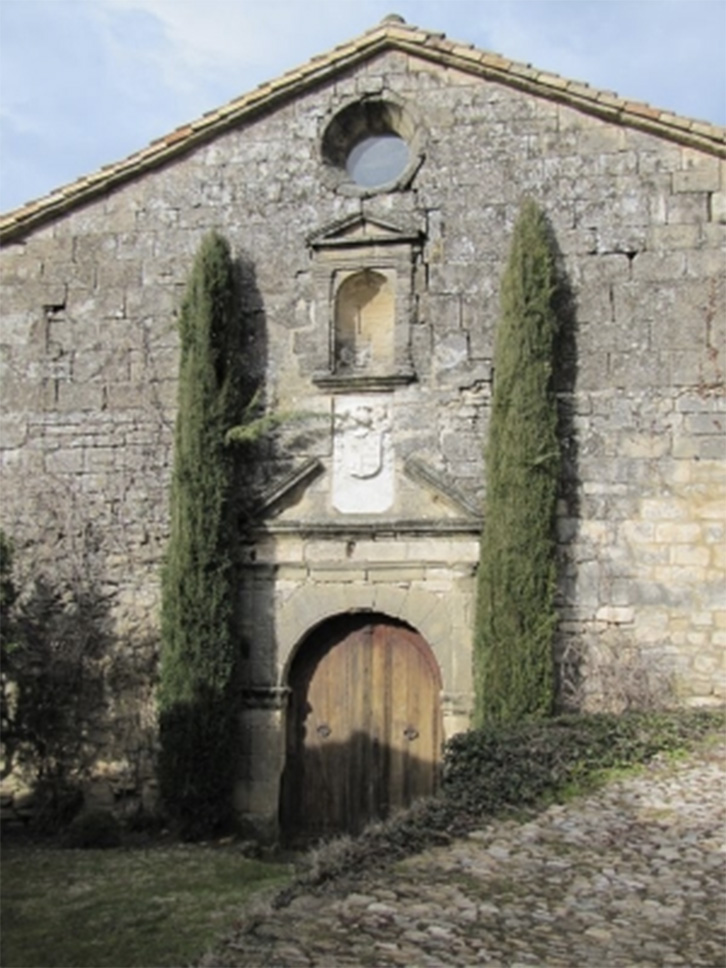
515,619
199,658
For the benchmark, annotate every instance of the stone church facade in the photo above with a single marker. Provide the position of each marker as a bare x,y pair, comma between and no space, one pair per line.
374,292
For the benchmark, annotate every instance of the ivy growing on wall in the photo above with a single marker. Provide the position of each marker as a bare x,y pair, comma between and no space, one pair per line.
515,618
200,642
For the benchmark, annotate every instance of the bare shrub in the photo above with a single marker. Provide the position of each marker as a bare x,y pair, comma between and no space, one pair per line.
614,676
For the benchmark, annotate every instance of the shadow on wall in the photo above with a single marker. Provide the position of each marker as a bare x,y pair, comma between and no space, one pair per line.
255,453
567,647
205,655
70,705
269,459
77,694
260,462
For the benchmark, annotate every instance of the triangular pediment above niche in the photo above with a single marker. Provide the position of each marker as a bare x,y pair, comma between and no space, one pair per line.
288,488
426,501
362,230
440,487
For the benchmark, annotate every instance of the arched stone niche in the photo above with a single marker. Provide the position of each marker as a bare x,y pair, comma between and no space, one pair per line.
365,312
364,272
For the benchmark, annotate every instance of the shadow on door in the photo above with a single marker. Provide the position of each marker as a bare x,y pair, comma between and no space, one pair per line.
363,728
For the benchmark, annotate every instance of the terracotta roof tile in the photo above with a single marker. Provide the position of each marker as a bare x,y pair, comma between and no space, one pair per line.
525,71
179,134
676,120
645,110
554,81
496,60
580,89
389,35
417,36
609,97
704,128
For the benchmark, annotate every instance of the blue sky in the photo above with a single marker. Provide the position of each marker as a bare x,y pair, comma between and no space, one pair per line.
86,82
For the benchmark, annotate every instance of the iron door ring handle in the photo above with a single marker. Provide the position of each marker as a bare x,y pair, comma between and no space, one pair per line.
410,733
323,730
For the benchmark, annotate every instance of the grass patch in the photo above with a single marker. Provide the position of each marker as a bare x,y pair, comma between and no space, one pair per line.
125,908
166,906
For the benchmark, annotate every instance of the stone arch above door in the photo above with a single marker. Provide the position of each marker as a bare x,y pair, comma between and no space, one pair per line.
309,606
427,582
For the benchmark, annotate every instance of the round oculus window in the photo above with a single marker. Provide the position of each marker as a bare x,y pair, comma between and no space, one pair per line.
371,145
377,160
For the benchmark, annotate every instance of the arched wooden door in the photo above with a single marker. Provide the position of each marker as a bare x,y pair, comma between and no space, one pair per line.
364,726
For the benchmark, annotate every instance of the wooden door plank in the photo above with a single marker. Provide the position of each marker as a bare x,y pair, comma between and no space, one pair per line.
364,739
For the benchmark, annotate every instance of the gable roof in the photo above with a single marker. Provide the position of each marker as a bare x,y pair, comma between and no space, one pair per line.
391,34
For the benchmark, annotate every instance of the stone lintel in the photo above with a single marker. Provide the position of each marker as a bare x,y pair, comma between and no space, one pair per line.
392,528
347,383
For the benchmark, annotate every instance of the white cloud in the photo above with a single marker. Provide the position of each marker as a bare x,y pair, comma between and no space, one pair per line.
212,42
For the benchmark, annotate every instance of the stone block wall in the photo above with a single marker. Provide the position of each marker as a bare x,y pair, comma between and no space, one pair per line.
645,590
89,359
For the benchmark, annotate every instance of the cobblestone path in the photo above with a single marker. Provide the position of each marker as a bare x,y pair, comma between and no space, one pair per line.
633,875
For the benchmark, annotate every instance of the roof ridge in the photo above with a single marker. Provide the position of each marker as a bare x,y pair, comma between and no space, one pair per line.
389,33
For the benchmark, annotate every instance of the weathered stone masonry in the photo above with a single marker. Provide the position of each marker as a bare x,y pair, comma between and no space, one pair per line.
92,284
